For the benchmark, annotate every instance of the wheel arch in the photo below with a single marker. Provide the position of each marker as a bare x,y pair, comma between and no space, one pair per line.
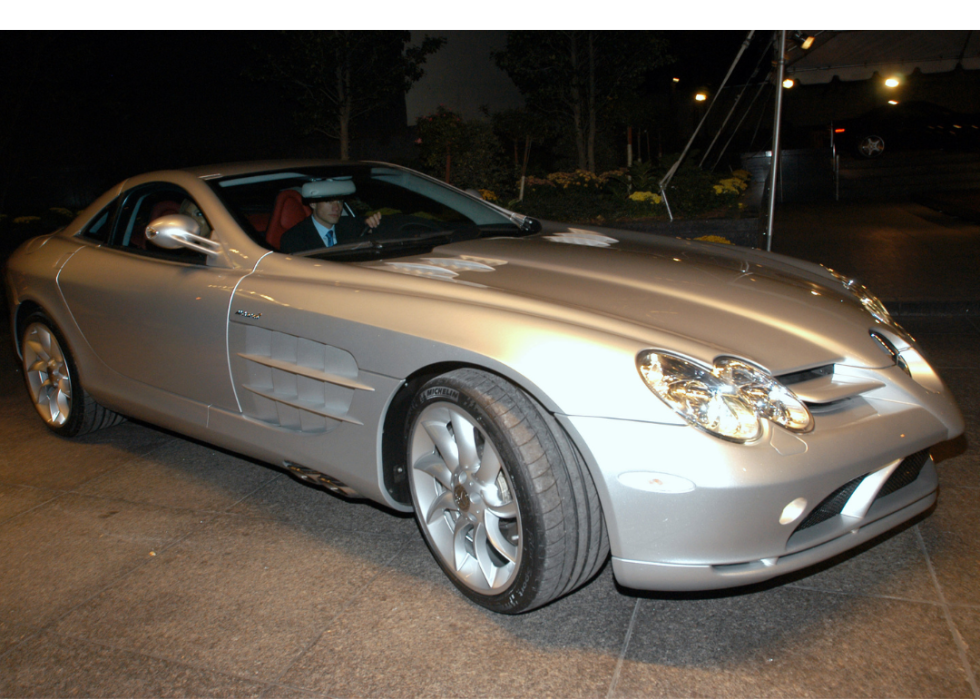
393,444
21,313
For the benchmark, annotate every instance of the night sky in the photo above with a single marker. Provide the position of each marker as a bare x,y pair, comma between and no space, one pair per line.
86,109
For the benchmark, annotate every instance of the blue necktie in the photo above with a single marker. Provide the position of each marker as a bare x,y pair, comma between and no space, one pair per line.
331,238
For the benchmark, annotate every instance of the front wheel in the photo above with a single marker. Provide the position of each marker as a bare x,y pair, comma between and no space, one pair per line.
503,499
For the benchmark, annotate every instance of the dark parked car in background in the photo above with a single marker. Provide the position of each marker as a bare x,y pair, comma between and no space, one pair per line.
906,126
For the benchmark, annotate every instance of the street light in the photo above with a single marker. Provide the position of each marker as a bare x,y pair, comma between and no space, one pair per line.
892,82
700,97
788,83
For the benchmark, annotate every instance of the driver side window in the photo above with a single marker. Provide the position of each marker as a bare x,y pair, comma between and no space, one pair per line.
147,203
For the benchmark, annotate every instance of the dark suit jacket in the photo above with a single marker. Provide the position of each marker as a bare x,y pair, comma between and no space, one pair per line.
303,236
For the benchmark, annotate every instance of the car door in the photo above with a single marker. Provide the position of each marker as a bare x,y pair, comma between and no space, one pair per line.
158,317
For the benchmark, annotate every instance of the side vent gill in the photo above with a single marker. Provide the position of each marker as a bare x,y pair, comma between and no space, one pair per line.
298,384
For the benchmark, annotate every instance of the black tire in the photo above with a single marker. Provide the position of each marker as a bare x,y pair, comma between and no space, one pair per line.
52,381
543,535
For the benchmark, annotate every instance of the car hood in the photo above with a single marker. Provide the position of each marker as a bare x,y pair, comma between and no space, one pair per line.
699,299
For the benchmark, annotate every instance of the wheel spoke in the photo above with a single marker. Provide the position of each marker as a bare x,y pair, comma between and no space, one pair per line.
489,467
35,346
439,505
491,571
439,434
461,552
433,465
498,540
507,510
464,433
46,339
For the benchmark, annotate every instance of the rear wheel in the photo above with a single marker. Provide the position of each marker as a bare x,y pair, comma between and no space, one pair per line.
52,382
871,146
503,499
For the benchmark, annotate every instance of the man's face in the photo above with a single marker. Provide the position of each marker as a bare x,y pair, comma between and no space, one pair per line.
327,212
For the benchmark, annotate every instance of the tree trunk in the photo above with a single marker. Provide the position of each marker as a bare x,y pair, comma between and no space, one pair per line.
592,106
576,93
344,104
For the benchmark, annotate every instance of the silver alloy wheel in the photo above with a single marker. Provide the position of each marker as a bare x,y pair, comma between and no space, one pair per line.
464,498
47,374
872,146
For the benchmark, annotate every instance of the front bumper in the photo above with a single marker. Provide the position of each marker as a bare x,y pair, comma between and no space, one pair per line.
666,576
686,511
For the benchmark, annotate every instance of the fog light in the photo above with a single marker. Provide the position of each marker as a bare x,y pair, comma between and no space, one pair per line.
792,511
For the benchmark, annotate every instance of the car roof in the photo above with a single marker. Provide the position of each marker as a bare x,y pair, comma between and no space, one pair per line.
245,168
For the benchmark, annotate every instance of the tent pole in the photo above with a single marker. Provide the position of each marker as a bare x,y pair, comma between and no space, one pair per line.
777,119
665,180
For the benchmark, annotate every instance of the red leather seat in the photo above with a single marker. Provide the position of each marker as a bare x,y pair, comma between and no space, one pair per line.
289,210
260,222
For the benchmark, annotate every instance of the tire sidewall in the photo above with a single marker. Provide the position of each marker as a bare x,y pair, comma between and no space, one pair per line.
521,592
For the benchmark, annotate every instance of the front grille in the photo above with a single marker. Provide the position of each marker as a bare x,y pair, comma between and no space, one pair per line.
808,375
831,505
905,474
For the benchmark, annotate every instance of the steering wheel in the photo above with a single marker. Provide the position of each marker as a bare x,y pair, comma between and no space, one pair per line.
419,223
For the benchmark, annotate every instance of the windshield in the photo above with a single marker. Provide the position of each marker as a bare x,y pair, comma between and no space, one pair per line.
416,212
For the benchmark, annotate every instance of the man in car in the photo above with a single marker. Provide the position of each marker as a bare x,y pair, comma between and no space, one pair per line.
327,226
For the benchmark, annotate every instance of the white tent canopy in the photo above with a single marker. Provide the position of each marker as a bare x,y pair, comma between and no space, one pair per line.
858,55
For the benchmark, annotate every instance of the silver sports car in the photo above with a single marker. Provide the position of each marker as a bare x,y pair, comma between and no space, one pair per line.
540,396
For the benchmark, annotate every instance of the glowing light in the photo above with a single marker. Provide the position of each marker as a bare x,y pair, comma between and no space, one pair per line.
700,97
891,82
839,130
892,102
808,42
677,80
788,83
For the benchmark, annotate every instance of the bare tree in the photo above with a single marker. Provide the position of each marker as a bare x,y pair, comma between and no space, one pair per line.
338,76
577,76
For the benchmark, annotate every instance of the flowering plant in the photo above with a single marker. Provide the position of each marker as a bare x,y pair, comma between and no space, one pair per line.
731,185
646,197
714,239
579,178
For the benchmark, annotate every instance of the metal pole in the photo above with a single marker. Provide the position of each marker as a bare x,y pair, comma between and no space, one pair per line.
732,110
777,119
748,110
662,185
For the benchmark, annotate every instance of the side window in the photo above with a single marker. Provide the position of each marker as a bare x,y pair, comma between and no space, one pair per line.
146,203
99,227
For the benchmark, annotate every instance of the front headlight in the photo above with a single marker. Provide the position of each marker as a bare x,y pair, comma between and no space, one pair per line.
729,399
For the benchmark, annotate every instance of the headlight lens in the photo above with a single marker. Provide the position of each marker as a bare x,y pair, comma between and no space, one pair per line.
728,400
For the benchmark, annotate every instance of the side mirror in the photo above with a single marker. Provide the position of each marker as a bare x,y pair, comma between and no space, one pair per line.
178,231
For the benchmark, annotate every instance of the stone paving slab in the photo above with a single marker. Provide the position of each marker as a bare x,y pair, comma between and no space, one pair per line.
240,595
50,665
787,642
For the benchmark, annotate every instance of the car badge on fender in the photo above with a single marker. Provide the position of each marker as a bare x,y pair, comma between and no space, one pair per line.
248,315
